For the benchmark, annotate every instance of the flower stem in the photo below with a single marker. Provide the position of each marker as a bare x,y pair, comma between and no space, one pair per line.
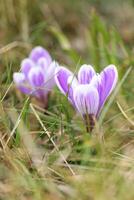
89,122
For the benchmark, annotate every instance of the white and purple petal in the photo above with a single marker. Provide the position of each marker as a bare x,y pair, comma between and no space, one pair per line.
36,79
42,62
86,74
50,75
21,83
86,99
39,52
72,84
61,77
105,83
72,81
26,65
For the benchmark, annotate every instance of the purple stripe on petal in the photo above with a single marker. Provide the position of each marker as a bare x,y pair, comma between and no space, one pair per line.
105,83
85,74
20,81
37,81
26,65
39,52
36,77
86,99
42,62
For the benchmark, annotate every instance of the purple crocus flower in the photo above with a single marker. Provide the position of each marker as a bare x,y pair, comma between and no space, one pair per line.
36,76
88,91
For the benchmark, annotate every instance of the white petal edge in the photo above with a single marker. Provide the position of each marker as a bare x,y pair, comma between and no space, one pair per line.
18,78
72,81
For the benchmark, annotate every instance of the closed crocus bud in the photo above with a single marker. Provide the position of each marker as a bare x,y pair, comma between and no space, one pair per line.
88,91
36,77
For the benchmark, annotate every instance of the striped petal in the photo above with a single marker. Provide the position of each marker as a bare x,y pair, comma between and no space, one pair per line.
42,62
37,81
72,84
105,83
86,74
61,78
86,99
20,81
39,52
26,65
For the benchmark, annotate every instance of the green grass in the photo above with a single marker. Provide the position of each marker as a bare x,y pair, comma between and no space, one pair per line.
47,154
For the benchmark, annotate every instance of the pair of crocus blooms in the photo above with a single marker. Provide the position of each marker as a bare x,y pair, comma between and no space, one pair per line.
87,92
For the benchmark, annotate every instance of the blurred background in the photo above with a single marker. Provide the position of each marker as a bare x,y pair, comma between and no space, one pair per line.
38,21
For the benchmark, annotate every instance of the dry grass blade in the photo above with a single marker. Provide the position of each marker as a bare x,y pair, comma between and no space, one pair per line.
49,136
6,92
13,131
36,155
124,114
12,45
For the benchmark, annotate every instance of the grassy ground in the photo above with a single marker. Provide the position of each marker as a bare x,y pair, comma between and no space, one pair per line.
50,156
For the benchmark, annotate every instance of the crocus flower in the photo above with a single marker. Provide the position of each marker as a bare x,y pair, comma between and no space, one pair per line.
36,76
88,91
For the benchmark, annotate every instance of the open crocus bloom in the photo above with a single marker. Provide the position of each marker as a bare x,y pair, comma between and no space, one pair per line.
36,76
88,91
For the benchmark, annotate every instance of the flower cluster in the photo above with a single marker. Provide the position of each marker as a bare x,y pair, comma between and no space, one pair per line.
87,92
36,77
